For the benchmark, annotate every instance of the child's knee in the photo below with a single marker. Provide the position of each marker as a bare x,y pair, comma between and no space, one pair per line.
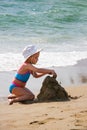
31,96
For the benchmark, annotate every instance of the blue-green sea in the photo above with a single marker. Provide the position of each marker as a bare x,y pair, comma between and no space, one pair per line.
57,26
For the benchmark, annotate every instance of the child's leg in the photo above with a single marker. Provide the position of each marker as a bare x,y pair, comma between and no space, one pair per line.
11,96
21,95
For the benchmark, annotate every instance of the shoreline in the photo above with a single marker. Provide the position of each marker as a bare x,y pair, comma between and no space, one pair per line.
68,89
67,76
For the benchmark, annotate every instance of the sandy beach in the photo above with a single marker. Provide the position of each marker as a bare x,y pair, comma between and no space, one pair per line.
69,115
63,115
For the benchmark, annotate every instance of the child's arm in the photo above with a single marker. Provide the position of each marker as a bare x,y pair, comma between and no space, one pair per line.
37,75
41,71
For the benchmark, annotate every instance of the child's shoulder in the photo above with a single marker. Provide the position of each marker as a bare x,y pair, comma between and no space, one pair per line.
24,67
27,65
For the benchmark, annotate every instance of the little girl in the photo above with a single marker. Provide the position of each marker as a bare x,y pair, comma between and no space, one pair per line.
17,89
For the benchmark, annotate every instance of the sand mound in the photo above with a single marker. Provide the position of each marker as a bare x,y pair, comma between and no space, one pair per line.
52,90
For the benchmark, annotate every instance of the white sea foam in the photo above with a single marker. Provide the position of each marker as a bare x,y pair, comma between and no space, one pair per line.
11,61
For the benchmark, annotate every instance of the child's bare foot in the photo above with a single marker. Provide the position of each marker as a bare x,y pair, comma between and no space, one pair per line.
11,96
11,101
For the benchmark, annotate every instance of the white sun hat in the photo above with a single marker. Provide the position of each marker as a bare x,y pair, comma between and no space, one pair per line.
29,51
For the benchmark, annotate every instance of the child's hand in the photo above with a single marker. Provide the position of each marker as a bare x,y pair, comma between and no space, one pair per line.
52,72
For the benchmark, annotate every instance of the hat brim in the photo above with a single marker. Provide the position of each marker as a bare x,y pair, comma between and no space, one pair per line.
33,54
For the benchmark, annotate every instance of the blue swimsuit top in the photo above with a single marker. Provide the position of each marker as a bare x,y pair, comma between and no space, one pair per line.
23,77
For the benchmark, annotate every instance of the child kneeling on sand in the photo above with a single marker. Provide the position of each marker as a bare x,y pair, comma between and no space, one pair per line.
17,89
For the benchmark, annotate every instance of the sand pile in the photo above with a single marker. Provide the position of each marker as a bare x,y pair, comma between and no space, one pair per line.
52,90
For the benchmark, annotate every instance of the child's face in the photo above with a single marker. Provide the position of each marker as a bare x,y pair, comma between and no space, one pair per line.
34,58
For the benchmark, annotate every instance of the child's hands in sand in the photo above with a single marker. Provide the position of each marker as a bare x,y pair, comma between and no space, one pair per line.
52,72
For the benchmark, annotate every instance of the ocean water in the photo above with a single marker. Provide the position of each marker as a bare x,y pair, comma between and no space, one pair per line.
57,26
